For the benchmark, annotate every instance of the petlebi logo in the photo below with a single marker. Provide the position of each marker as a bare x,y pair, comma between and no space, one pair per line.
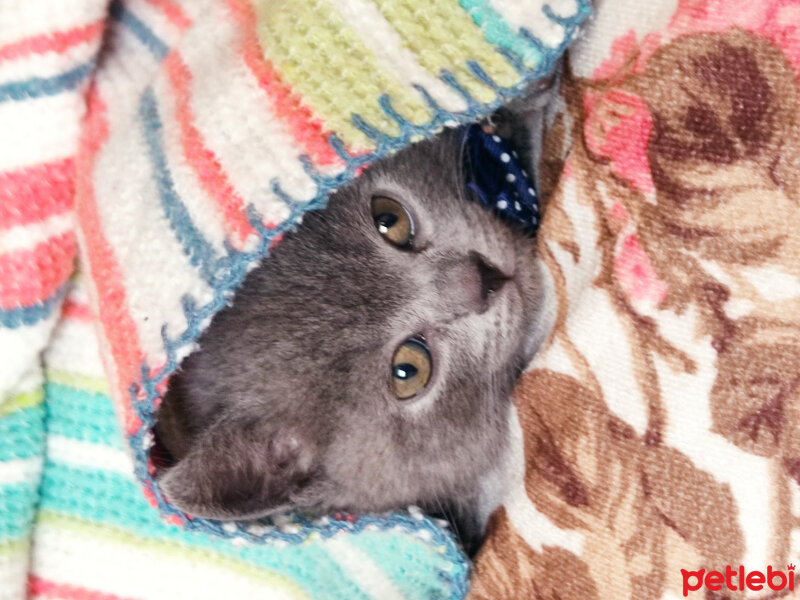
738,579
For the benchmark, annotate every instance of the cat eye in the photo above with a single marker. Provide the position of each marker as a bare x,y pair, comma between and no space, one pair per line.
411,368
392,221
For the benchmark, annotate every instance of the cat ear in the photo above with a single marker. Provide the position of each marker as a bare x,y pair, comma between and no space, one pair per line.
241,468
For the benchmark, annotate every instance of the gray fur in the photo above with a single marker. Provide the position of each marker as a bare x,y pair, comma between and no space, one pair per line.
287,403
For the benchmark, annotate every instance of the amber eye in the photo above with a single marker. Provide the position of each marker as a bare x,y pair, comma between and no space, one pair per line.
411,368
392,221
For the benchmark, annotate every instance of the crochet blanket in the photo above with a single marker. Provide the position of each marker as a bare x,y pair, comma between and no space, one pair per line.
658,452
170,144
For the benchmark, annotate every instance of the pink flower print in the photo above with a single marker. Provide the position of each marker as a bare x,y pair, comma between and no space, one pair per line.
628,56
635,274
617,126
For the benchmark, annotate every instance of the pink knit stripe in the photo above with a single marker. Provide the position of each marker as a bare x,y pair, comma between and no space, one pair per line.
307,130
32,194
76,310
31,275
57,41
202,159
119,327
38,586
173,12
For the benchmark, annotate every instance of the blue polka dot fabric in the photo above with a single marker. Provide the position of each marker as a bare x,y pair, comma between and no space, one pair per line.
496,178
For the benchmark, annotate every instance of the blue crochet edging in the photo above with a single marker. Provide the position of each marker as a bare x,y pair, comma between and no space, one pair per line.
230,270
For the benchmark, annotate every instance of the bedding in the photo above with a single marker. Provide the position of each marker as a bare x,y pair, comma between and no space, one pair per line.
164,147
657,447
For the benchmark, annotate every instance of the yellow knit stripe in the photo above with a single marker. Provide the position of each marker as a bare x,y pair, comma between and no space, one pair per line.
389,48
21,401
14,547
169,550
86,383
327,63
451,46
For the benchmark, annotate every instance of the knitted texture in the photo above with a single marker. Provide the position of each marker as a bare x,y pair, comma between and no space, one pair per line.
46,56
658,447
95,531
173,143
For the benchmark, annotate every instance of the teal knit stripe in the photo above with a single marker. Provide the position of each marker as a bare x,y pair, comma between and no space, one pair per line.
114,500
17,504
413,550
497,32
98,495
81,415
109,498
22,433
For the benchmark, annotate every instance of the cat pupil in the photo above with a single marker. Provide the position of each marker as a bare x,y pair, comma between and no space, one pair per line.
385,221
405,371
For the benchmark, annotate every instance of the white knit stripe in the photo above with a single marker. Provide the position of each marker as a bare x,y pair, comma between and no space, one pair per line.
362,570
77,291
187,185
88,455
14,574
28,381
20,470
156,20
35,17
19,351
200,205
530,15
48,64
23,237
228,115
379,36
129,570
74,349
40,130
126,71
133,219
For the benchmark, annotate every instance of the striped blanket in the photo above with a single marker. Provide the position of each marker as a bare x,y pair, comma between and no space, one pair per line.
169,144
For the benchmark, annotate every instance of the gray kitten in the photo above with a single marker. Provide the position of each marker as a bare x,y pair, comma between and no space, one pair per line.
368,363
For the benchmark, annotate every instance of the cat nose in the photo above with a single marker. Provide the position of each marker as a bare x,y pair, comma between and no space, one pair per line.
466,284
491,278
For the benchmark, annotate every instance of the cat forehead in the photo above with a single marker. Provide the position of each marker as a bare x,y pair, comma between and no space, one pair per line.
352,283
425,165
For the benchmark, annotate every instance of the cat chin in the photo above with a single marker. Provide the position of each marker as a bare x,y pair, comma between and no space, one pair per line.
493,489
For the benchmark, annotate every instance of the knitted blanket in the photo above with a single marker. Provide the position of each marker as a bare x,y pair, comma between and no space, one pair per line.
170,144
658,450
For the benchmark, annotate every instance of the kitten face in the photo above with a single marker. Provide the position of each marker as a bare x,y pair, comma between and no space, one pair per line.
292,399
